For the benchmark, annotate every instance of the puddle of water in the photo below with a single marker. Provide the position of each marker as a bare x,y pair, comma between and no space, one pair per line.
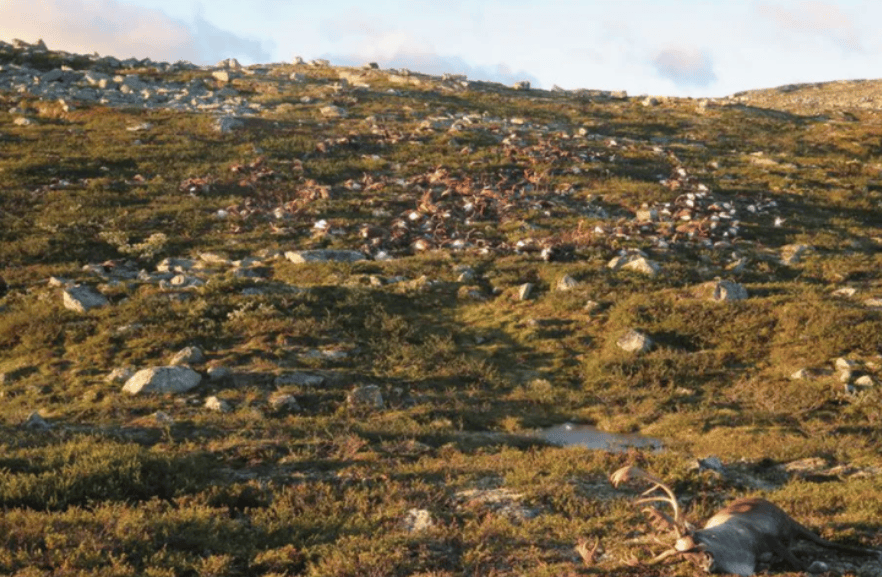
569,434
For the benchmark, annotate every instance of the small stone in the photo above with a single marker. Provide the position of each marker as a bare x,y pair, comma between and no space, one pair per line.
417,521
634,341
801,375
792,253
22,121
119,375
842,364
864,381
525,291
299,379
522,85
36,422
324,255
712,463
213,403
284,402
188,356
846,376
82,298
366,396
647,215
216,374
161,380
221,75
566,283
818,566
175,265
332,111
635,261
726,290
845,292
226,124
643,266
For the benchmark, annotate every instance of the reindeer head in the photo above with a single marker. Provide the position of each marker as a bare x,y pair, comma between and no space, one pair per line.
685,545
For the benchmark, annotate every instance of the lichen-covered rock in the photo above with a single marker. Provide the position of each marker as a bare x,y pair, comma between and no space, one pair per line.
161,380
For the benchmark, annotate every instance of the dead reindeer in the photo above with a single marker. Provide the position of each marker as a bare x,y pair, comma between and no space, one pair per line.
734,540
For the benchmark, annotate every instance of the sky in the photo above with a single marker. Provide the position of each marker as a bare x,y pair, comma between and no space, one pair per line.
698,48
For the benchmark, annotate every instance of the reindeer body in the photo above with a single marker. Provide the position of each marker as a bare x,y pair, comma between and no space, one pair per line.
737,537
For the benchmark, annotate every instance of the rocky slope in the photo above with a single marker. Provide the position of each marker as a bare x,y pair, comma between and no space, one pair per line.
301,319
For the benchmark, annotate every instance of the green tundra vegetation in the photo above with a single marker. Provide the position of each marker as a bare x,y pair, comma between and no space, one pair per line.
380,416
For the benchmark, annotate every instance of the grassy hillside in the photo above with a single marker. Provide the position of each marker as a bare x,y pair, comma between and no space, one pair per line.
458,194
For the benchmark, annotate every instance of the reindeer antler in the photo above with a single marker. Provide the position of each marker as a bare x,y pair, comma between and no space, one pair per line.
631,473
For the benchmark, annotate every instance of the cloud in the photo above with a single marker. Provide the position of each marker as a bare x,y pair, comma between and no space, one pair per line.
685,66
814,18
111,27
437,65
392,47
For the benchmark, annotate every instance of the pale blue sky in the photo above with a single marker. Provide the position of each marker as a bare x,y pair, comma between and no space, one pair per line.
663,47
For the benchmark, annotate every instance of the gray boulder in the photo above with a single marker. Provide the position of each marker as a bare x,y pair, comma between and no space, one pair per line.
82,298
161,380
188,356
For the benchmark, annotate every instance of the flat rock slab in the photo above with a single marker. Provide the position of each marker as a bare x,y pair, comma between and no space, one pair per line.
161,380
81,298
324,255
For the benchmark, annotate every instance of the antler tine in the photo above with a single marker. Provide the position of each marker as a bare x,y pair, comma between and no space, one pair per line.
662,556
628,473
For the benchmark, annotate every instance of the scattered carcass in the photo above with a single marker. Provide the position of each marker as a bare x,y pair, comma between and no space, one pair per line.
736,538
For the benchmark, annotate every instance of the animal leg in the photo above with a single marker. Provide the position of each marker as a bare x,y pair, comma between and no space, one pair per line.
785,553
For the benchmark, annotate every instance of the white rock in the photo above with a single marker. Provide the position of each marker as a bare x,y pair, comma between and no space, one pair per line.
864,381
634,342
801,375
842,363
524,291
213,403
161,380
417,521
